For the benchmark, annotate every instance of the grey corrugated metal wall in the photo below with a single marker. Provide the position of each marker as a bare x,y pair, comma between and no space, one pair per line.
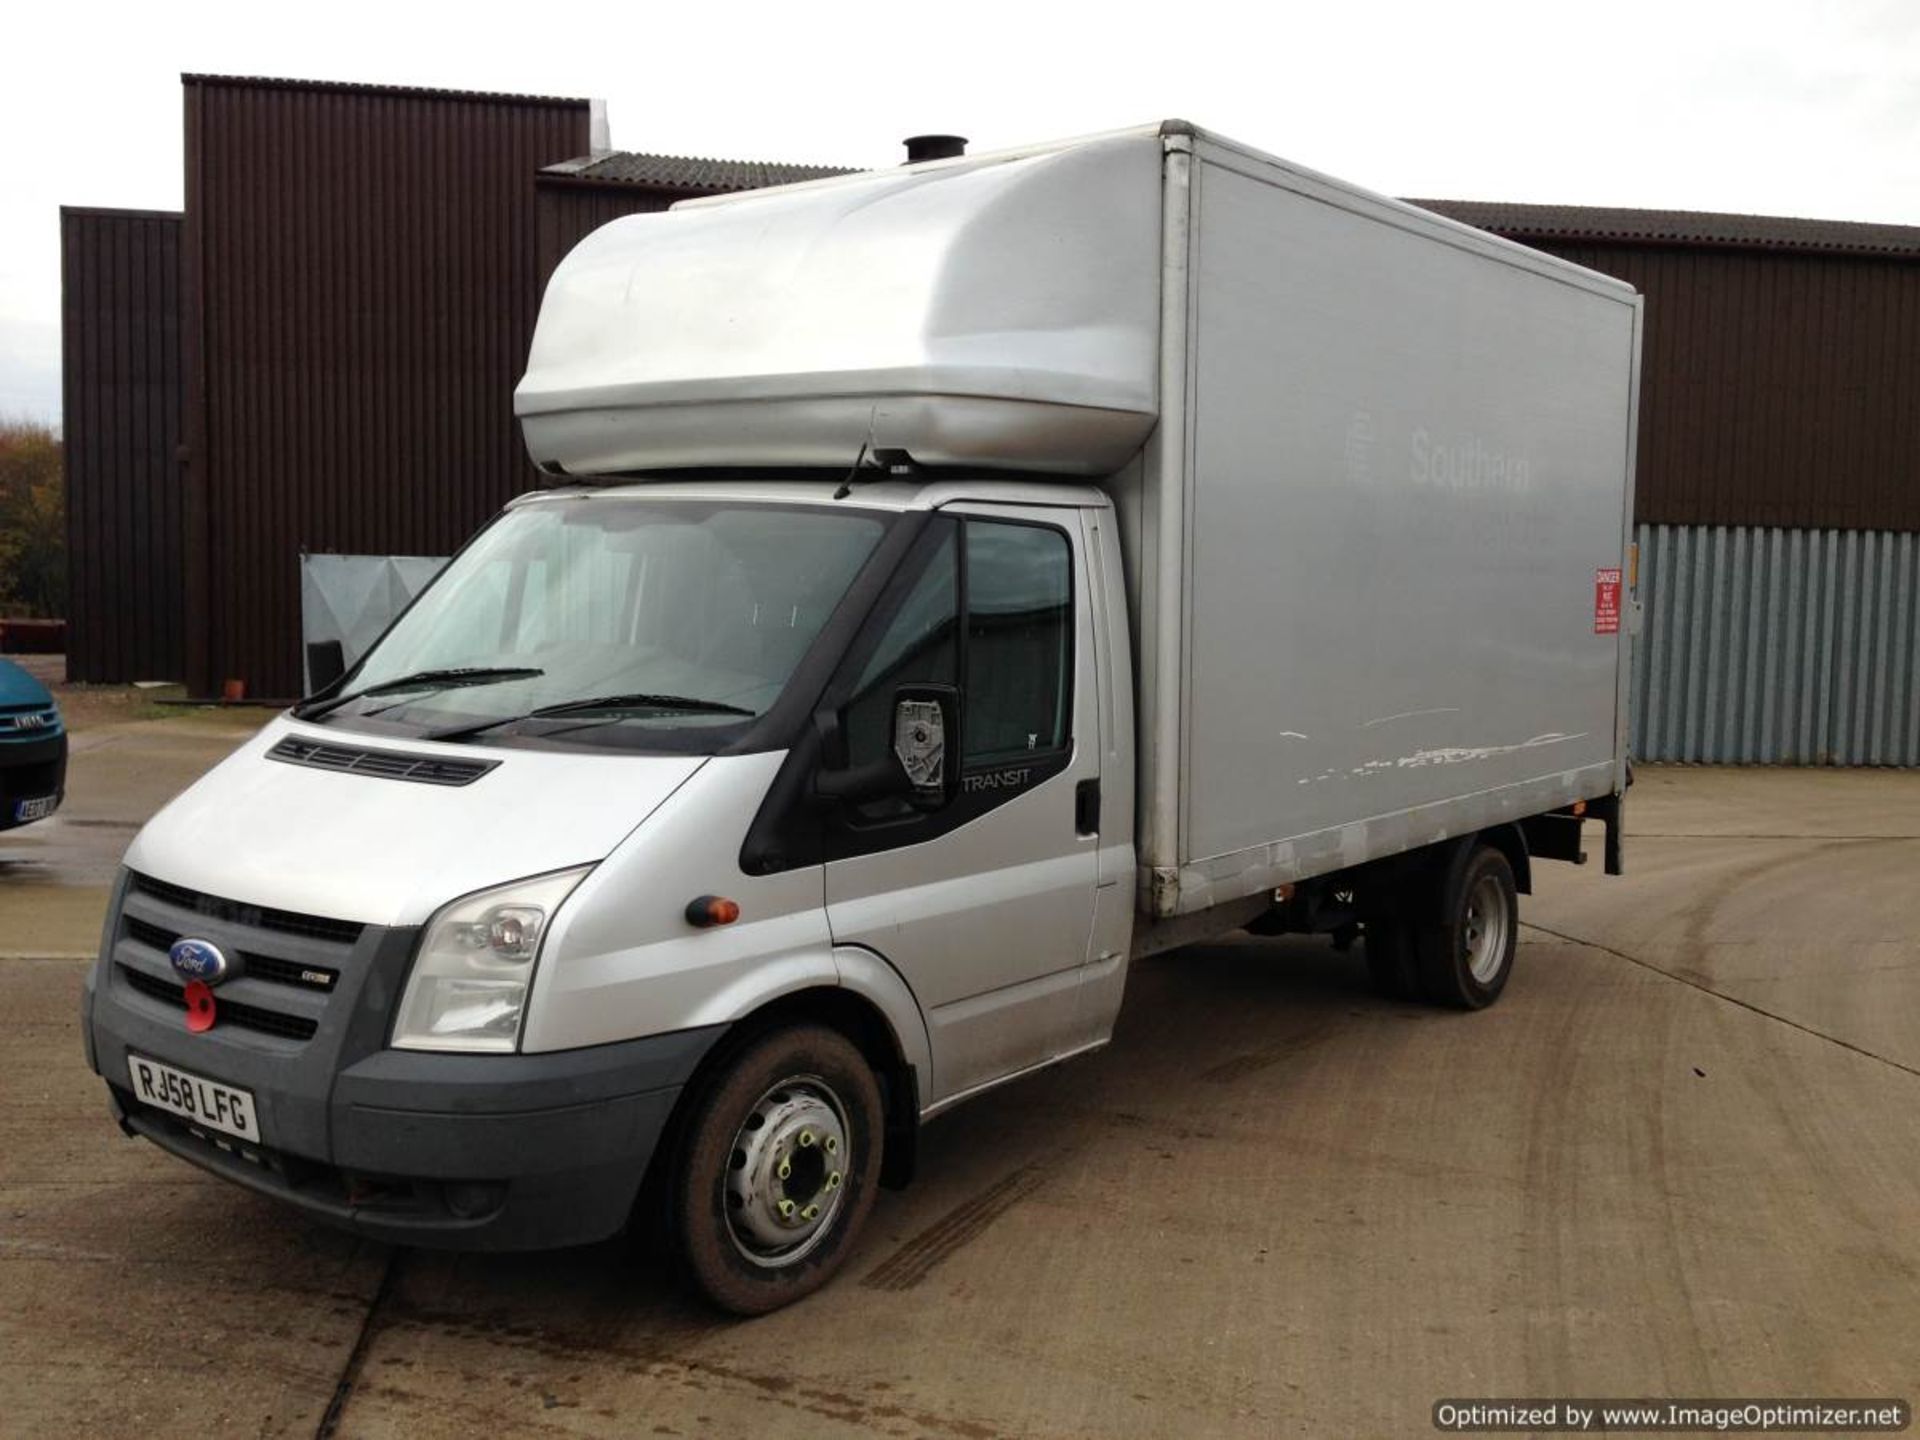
1778,647
354,598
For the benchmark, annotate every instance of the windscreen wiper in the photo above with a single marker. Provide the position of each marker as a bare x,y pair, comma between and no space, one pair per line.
422,680
596,704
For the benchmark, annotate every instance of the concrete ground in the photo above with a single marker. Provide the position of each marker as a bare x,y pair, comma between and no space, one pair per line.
126,758
1680,1158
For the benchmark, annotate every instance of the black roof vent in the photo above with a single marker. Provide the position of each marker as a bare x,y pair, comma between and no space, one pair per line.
935,147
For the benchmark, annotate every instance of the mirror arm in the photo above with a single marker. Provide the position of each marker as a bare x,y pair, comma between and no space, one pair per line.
861,783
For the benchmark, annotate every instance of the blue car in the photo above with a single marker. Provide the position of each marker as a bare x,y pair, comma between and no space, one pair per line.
33,749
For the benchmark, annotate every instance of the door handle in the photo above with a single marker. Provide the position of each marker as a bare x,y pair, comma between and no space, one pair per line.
1086,807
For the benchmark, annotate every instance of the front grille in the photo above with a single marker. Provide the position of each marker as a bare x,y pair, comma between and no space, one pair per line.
382,764
227,1012
287,965
339,932
270,968
152,936
29,722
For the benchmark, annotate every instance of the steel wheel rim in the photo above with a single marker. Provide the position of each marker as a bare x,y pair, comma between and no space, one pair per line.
787,1172
1484,929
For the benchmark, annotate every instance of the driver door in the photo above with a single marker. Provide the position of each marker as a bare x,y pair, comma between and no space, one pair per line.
985,906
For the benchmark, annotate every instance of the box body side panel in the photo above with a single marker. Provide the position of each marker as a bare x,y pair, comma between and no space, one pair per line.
1410,460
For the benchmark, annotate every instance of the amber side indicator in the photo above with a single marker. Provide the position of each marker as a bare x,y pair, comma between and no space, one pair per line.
705,910
1579,807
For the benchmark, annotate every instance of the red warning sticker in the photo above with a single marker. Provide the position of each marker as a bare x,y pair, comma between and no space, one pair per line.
1606,602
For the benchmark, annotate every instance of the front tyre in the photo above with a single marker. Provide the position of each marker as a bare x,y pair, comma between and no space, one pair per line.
778,1169
1466,949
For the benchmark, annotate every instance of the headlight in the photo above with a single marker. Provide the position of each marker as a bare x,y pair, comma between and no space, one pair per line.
468,989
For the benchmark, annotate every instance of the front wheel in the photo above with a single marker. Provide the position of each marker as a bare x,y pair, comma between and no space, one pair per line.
778,1169
1466,948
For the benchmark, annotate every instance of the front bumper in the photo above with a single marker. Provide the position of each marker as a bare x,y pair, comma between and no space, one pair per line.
31,770
481,1152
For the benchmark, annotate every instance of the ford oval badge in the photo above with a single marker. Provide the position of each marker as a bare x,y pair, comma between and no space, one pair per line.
198,960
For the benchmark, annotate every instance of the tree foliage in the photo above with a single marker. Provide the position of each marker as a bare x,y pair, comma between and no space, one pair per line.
33,520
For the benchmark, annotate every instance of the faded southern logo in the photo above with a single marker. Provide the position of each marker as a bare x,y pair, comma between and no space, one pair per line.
1356,453
1466,462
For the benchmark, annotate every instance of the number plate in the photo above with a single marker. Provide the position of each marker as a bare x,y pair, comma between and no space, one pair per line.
25,810
205,1102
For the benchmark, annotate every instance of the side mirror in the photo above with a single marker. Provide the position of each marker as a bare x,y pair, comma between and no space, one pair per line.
922,767
926,742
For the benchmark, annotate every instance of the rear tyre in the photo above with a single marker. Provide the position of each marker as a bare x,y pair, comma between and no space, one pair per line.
1465,952
777,1170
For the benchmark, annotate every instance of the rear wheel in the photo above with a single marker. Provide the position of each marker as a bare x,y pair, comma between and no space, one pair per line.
1465,949
778,1169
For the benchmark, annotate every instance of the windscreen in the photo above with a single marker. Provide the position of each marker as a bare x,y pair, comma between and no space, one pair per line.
675,623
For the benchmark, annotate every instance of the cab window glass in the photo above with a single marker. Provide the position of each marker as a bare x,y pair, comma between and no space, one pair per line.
1019,610
920,647
711,603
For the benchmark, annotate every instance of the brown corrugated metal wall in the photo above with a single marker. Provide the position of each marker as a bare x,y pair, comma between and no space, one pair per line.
121,382
360,290
1776,388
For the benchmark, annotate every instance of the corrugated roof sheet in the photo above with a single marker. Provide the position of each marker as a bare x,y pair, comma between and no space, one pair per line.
424,92
686,172
1518,221
1680,227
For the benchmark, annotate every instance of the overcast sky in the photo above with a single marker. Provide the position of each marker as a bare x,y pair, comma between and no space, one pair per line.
1782,108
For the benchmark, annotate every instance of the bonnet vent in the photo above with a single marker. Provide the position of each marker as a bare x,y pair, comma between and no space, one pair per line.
381,764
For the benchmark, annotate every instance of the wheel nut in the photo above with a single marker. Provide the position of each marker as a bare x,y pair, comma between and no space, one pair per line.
810,1212
833,1180
786,1169
806,1138
833,1144
786,1209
